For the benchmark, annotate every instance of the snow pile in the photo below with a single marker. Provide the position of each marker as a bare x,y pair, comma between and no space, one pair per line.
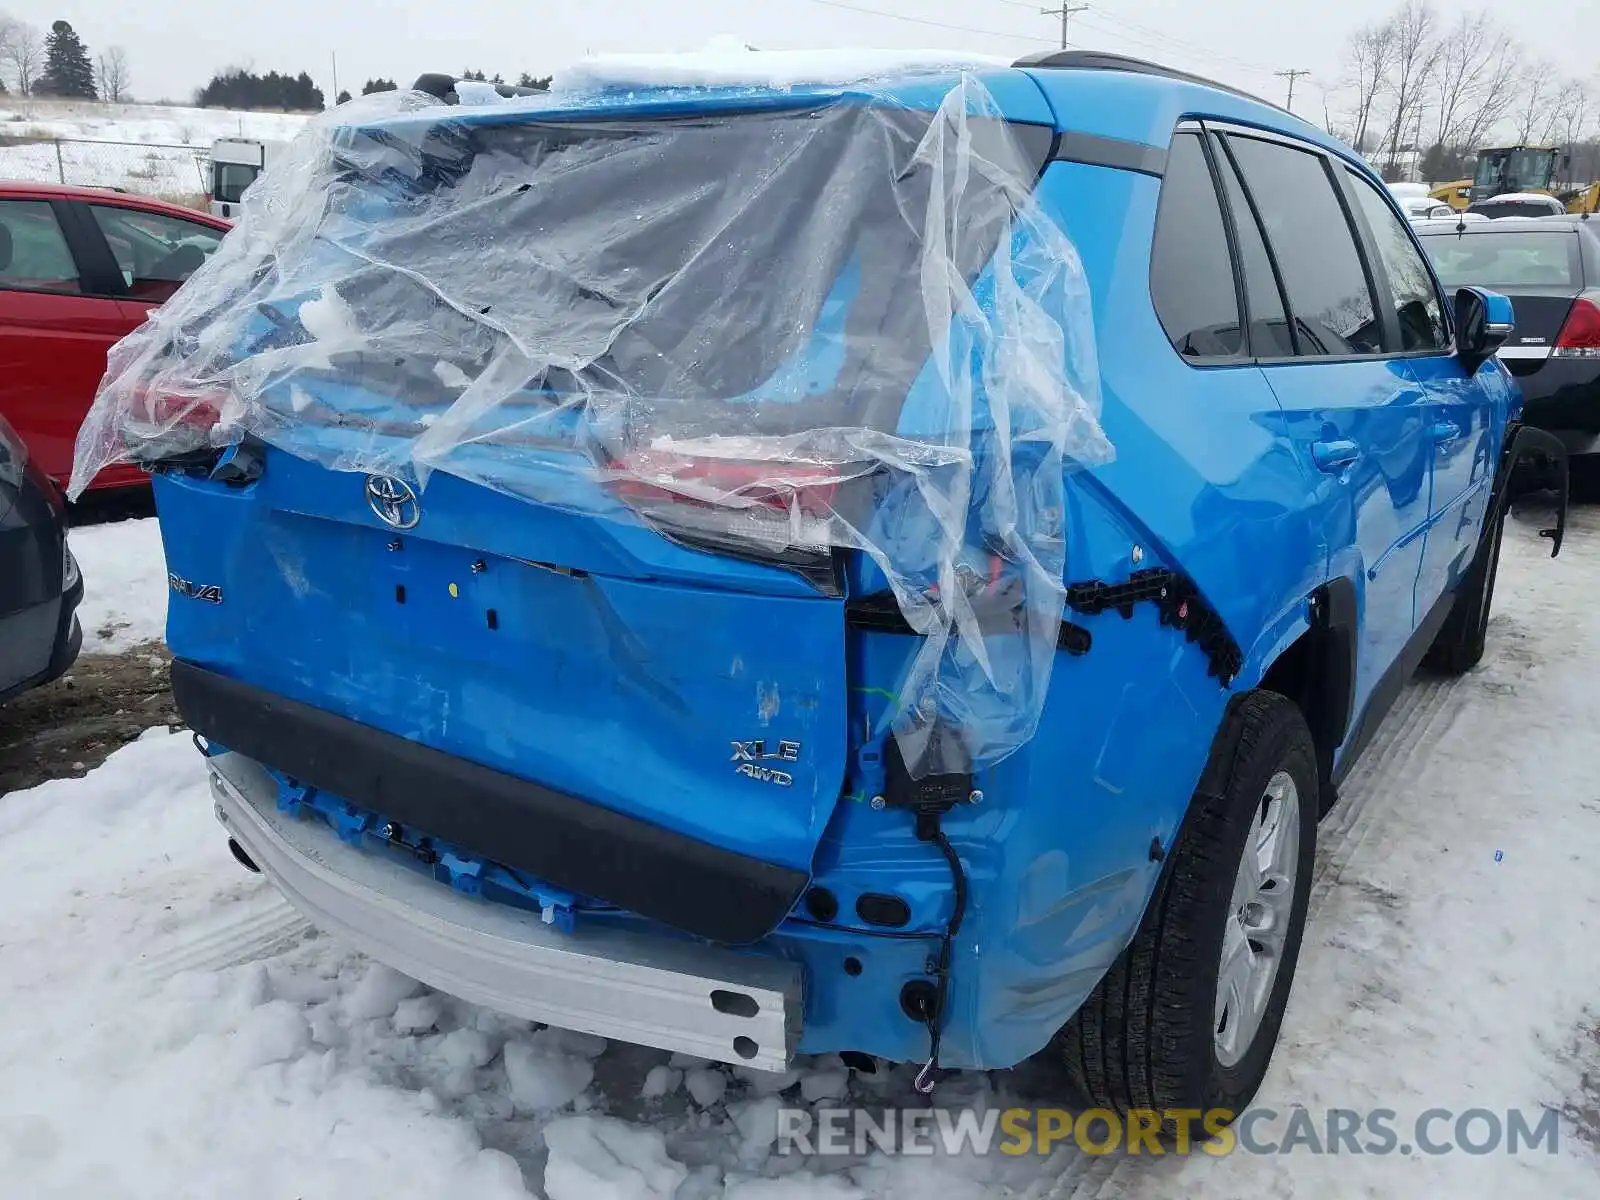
124,584
729,62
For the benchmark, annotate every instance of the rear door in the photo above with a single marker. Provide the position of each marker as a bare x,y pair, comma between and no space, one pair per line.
1466,416
54,330
1354,413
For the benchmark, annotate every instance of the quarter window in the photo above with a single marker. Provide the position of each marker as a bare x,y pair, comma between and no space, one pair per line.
1329,297
1415,299
1191,274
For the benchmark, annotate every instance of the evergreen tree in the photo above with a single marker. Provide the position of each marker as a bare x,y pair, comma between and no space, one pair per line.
237,88
343,98
538,84
67,69
379,85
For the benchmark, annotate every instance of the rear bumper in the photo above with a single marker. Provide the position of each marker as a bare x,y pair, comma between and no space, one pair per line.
651,990
1562,396
564,840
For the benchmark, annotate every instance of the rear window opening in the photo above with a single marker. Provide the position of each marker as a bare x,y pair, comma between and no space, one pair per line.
632,276
1514,258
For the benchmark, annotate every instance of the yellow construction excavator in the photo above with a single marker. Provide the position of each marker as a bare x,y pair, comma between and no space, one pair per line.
1504,169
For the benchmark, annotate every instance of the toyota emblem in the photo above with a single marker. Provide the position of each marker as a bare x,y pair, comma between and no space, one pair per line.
392,501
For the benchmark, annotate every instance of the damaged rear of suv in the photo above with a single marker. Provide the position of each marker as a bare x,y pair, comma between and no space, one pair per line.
652,559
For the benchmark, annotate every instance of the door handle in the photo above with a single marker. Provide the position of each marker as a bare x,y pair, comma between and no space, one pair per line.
1445,431
1334,456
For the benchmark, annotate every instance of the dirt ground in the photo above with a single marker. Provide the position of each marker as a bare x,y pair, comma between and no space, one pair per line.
73,724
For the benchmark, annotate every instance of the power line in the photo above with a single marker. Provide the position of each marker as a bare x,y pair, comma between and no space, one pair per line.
1163,40
1167,44
894,16
1291,75
1065,13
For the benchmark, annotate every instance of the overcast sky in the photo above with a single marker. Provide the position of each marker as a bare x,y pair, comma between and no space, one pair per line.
175,45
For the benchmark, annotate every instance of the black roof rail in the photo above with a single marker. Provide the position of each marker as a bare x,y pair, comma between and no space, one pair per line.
1099,60
443,87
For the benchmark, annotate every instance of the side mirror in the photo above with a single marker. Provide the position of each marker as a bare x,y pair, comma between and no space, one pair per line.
1484,320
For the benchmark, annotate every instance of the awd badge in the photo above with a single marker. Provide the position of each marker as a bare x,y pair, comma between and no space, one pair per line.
752,757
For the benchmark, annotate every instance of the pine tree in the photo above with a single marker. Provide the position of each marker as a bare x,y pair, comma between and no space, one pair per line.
379,84
344,97
67,69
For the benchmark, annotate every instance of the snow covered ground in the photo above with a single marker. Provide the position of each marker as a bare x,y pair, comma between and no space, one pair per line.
173,1030
125,584
169,155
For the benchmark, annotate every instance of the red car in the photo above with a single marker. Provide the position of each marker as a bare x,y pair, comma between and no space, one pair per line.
79,268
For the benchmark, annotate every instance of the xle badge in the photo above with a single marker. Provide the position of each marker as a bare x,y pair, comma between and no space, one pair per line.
211,593
752,755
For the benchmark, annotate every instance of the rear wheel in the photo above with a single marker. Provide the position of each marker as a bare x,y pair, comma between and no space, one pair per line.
1188,1015
1460,642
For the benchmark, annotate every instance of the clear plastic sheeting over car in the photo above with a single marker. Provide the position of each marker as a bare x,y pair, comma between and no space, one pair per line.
792,326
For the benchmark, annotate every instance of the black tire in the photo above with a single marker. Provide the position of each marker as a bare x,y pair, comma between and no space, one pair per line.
1145,1037
1460,642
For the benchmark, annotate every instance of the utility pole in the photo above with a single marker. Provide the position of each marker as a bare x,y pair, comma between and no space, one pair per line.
1065,13
333,57
1291,76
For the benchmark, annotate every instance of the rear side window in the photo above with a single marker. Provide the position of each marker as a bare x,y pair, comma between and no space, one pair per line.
1415,299
1191,274
1314,248
33,253
1269,326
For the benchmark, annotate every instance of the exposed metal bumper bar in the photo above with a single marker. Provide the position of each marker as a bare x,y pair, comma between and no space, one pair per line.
667,992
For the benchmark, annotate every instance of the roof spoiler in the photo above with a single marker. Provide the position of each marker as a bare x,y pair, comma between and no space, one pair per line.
443,87
1099,60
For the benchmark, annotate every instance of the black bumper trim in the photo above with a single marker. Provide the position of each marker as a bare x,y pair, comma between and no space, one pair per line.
575,844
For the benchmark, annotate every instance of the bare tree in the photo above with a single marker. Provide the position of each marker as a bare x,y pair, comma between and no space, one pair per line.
1570,113
112,75
1489,103
1416,51
1368,57
21,53
1535,106
1463,73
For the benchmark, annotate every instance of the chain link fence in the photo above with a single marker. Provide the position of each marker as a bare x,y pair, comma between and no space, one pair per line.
178,173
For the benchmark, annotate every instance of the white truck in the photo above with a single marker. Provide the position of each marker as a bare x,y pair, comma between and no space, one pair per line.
235,163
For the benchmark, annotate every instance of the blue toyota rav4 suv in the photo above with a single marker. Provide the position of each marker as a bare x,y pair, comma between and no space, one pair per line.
894,567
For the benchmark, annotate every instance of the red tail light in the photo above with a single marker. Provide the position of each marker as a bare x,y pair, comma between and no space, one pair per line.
167,424
1580,333
772,511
